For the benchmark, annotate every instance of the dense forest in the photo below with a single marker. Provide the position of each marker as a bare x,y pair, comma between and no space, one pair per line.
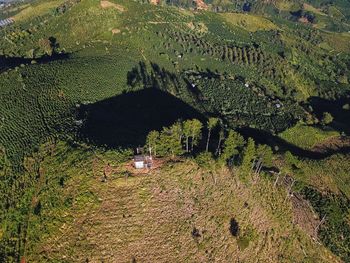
252,93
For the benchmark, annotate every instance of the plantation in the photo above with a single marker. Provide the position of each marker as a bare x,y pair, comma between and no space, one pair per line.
82,81
307,136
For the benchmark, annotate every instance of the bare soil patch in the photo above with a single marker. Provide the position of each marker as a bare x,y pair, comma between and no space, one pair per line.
115,31
332,144
201,5
304,216
155,2
107,4
157,163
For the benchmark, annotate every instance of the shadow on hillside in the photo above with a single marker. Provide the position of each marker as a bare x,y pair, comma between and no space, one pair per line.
341,116
12,62
125,120
263,137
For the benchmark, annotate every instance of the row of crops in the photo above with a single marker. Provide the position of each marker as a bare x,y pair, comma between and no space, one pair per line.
246,55
268,68
28,115
38,104
239,102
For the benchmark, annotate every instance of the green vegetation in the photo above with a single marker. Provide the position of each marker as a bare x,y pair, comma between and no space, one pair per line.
248,22
306,136
65,218
106,77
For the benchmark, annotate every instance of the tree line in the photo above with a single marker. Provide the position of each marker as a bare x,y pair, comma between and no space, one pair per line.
187,137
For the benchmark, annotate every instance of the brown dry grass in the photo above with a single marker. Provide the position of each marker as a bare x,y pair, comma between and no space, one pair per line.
155,2
201,5
107,4
151,218
115,31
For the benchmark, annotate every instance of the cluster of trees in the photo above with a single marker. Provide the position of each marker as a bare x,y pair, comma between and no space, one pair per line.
309,16
231,148
246,106
249,55
272,65
179,138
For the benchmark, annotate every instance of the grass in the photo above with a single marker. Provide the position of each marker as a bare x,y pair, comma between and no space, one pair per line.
249,22
36,9
328,175
312,9
307,137
287,5
173,214
39,102
337,41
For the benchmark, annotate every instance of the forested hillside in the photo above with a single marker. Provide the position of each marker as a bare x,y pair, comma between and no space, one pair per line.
98,76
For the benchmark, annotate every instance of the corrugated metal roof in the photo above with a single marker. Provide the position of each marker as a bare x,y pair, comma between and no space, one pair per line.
139,158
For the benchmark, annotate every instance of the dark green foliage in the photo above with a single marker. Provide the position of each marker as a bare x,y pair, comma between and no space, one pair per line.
232,144
205,160
265,155
335,232
249,154
327,118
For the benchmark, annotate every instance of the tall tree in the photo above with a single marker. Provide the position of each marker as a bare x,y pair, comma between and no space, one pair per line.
231,145
170,140
196,132
221,137
152,141
187,131
265,154
249,155
211,124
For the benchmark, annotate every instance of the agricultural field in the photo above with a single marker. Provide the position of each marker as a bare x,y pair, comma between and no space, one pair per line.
307,137
249,22
88,80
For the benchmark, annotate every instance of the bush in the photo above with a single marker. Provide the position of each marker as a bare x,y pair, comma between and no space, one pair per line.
205,160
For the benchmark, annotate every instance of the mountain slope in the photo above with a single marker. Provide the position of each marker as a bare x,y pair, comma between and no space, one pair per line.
181,212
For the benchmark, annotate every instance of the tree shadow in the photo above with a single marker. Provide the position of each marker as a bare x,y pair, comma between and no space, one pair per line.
263,137
125,120
12,62
341,115
234,227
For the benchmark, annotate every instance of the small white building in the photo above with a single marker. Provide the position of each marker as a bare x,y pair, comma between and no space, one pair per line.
142,161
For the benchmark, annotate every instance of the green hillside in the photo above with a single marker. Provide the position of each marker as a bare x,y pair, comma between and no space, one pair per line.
103,74
181,212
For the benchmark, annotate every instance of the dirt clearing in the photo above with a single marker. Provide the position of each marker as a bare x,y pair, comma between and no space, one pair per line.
107,4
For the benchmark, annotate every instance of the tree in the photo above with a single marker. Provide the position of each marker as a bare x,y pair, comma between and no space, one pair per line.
48,46
192,129
327,118
292,161
233,141
170,140
205,160
211,124
265,155
196,132
187,133
249,155
152,141
221,137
